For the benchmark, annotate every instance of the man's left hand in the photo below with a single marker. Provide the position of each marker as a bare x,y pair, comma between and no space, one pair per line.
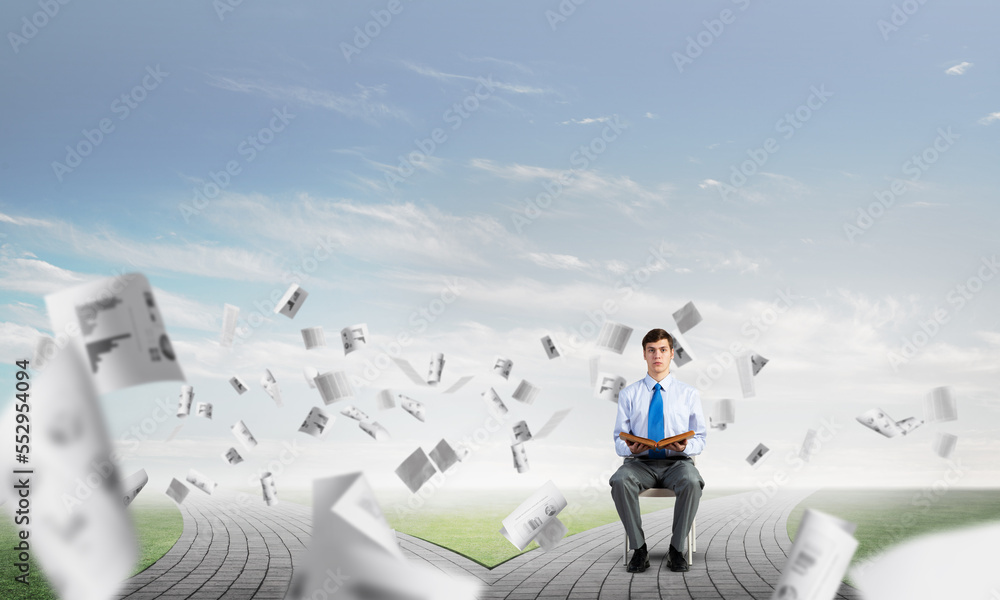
678,446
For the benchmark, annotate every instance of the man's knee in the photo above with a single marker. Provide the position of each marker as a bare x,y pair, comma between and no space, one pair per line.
690,482
623,480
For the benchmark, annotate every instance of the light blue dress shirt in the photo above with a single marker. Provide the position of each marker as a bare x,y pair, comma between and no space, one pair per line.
681,412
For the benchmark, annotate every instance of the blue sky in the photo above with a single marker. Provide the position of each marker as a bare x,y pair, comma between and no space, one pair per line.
663,143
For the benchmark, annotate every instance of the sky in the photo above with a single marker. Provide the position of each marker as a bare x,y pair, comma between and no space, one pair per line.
467,178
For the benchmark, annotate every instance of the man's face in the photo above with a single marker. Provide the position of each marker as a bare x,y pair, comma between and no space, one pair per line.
658,356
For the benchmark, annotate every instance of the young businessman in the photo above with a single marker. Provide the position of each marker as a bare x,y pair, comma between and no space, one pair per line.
658,406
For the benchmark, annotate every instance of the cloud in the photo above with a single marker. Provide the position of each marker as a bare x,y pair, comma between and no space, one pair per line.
513,88
650,115
556,261
959,69
35,276
990,118
586,121
18,341
364,103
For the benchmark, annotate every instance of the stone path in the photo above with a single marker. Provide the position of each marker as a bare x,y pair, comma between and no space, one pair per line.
239,551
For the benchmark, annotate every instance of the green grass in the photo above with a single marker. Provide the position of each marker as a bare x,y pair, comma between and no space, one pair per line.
469,522
158,523
887,517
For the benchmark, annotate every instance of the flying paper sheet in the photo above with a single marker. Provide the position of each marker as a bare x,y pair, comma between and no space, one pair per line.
757,363
758,454
521,432
502,366
444,456
494,404
552,423
268,489
232,457
682,351
744,368
313,337
551,533
961,563
820,555
908,424
201,482
291,302
520,457
242,433
352,412
416,470
385,399
613,336
595,365
230,314
435,369
608,386
334,386
173,433
238,385
316,422
375,430
878,421
354,337
408,370
271,387
177,491
809,445
458,384
940,405
133,484
204,409
725,413
526,392
414,408
687,317
522,525
184,403
122,336
944,444
351,536
81,532
551,349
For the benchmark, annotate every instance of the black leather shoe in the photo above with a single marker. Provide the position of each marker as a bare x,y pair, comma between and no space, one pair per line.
640,560
676,561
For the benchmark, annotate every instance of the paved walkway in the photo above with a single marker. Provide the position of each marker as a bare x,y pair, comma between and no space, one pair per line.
239,552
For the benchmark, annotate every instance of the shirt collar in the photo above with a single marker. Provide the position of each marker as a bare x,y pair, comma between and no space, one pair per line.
650,382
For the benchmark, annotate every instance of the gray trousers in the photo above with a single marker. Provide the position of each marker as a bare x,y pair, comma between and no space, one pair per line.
638,474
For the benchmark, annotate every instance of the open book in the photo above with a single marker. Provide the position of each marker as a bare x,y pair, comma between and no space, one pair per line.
628,437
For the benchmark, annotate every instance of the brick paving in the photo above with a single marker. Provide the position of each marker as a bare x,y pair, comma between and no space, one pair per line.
229,551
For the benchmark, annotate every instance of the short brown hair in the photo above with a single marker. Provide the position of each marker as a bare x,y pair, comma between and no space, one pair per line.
656,335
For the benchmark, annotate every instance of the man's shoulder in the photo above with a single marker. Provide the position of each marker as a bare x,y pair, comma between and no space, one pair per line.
685,388
635,386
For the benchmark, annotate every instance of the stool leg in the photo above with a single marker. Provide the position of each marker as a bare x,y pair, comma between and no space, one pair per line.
625,552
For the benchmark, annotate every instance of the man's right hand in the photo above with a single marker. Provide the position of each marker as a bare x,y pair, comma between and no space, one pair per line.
637,447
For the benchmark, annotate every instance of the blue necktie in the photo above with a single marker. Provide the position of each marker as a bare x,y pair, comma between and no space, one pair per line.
655,427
